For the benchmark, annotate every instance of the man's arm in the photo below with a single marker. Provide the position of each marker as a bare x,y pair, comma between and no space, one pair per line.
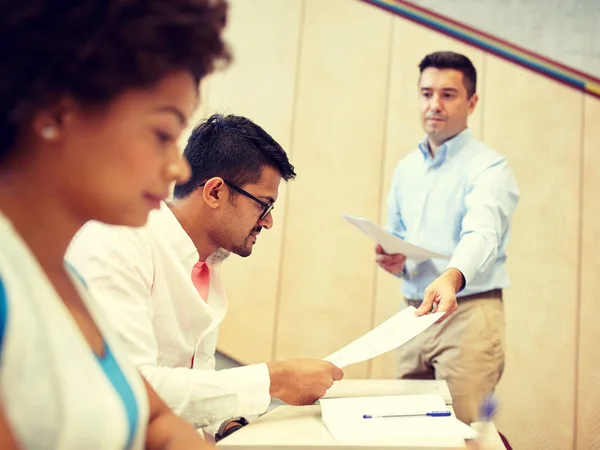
208,397
393,263
118,278
394,222
490,204
117,267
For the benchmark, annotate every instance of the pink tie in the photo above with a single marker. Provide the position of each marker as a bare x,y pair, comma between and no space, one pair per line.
201,279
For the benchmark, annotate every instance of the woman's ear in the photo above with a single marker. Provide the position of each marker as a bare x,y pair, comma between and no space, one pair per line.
51,123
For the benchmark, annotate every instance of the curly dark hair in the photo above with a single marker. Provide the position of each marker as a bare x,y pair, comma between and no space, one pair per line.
93,50
233,148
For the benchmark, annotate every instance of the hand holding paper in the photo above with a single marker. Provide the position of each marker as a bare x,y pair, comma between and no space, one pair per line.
394,263
301,381
390,243
441,293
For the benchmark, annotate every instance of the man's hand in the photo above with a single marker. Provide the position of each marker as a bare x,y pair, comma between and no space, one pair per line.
302,381
440,295
390,262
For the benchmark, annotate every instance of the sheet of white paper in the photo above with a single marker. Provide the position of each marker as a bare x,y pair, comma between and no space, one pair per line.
391,334
391,243
343,417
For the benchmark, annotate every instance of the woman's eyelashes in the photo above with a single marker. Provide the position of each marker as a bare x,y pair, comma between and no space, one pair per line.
163,137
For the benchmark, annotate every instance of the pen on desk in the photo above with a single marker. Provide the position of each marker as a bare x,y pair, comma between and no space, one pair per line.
430,414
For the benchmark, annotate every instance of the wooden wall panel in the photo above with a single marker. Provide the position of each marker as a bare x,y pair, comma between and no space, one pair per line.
588,414
537,123
335,81
260,84
403,132
328,273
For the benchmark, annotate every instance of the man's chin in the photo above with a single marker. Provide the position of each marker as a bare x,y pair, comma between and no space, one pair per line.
435,131
242,251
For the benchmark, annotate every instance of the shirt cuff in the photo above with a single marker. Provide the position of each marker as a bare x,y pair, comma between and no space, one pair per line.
401,274
469,256
253,392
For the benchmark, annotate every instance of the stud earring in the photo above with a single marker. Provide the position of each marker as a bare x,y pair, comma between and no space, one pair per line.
49,132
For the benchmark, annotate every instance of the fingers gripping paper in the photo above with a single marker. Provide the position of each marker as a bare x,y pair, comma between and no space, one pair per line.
391,243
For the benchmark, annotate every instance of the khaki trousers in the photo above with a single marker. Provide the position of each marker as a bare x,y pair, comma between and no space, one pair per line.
466,350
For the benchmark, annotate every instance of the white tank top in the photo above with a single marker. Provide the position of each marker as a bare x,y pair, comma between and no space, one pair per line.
54,391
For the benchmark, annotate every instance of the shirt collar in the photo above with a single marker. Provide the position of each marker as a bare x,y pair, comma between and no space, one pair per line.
447,150
164,223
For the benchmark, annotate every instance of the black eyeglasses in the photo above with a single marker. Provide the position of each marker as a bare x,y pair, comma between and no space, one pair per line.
268,207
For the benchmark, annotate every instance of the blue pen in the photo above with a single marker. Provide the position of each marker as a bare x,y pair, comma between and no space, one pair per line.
485,428
488,408
430,414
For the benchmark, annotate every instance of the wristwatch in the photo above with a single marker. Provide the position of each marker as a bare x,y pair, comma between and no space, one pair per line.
240,422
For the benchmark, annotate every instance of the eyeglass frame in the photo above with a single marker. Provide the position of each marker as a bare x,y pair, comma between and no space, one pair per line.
268,207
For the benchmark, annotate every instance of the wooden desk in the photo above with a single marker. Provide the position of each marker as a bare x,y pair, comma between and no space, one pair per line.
301,428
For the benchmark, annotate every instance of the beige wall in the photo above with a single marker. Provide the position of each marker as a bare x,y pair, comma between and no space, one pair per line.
588,332
335,83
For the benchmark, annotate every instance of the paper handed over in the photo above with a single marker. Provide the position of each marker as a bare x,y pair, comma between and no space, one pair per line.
391,334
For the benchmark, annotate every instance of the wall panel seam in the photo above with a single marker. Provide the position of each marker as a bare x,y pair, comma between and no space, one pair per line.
286,207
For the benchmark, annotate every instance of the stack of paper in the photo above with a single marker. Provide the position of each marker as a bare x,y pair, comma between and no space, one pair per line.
344,419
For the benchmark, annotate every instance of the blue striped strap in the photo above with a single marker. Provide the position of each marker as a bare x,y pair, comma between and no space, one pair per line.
3,315
74,271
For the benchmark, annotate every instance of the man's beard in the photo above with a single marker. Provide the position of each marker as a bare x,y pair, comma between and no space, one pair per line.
246,250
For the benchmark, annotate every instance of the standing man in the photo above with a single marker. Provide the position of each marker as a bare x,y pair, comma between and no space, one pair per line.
160,285
453,195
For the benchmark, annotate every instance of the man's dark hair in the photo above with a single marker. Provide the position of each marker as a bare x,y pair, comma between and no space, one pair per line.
233,148
92,50
456,61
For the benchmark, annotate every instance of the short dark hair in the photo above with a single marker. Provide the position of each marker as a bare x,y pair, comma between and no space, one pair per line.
233,148
92,50
456,61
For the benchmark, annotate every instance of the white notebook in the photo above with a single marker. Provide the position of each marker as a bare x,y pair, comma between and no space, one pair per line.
344,418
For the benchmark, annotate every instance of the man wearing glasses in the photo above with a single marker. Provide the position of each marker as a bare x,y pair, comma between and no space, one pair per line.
161,288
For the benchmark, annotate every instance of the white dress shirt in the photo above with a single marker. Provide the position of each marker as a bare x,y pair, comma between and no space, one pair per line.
54,392
142,279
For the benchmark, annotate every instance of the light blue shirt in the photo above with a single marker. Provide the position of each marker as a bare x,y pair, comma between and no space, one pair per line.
459,202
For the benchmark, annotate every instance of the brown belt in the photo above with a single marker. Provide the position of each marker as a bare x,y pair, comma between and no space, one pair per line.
494,293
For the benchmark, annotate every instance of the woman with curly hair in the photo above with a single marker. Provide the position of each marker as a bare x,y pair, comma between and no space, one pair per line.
93,95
